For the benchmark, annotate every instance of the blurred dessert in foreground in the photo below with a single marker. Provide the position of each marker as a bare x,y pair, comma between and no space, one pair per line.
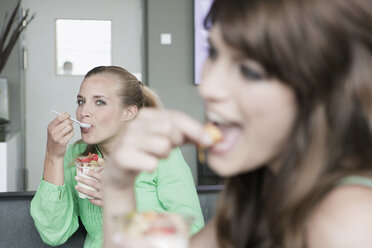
157,230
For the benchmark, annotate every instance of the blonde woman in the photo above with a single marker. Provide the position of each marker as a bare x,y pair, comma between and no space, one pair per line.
109,98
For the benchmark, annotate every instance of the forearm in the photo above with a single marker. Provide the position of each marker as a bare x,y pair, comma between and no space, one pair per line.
53,169
117,202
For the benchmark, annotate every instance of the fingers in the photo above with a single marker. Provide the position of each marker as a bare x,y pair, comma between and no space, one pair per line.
158,131
135,160
97,202
95,183
96,174
89,182
179,127
96,195
60,131
150,137
60,118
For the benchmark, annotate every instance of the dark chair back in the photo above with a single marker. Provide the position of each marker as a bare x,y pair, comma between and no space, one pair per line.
17,229
208,196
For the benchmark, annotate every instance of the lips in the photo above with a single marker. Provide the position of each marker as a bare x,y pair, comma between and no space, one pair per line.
86,129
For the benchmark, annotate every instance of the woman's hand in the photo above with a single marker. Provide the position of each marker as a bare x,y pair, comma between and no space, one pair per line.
143,142
97,195
149,138
60,131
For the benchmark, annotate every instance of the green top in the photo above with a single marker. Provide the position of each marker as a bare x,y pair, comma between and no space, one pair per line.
359,180
55,209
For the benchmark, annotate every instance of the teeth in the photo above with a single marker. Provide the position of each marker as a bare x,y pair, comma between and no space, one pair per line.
213,117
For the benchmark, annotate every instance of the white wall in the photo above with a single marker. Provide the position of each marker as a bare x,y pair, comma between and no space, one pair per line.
12,71
45,90
14,74
10,164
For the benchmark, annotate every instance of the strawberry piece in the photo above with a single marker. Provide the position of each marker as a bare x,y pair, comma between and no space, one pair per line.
86,160
95,157
162,229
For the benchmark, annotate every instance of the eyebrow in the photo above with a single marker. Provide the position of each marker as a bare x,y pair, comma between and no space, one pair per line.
96,96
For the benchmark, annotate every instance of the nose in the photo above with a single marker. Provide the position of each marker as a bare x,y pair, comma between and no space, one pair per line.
84,111
214,81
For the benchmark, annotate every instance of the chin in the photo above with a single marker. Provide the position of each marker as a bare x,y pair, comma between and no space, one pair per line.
222,168
230,168
88,141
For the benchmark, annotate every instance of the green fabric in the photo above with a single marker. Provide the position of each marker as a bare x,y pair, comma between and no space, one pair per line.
360,180
55,209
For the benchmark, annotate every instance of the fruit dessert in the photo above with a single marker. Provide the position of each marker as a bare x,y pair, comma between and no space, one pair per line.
159,230
91,160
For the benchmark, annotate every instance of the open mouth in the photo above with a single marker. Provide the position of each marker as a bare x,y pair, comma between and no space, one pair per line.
86,129
231,133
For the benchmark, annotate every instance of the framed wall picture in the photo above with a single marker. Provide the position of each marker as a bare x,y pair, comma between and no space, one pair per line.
201,9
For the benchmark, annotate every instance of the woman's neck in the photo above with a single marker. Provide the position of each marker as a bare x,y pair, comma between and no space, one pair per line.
107,146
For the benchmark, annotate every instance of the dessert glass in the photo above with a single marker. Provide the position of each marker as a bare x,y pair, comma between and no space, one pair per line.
82,169
156,230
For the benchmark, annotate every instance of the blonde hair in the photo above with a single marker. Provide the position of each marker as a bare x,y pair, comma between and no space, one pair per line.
133,91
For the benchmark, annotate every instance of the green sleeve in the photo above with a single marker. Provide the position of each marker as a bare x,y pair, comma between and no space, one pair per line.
55,209
176,189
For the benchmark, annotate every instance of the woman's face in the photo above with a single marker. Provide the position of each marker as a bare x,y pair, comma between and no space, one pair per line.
100,106
255,113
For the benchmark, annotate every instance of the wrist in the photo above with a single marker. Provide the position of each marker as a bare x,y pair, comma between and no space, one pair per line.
119,200
118,183
53,169
52,156
119,180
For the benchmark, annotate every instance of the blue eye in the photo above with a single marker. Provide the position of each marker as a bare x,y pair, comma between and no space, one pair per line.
100,102
249,73
80,102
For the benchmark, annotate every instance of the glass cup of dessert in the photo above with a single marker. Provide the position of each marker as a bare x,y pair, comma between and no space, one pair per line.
155,230
92,162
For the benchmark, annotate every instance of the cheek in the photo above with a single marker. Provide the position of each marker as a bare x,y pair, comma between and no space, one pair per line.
269,117
109,118
270,102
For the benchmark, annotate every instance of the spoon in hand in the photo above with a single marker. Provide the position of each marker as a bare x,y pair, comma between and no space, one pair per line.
83,125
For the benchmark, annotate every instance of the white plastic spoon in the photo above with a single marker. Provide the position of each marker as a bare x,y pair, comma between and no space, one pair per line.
83,125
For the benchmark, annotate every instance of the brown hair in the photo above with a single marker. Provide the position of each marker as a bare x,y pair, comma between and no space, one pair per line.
322,49
133,91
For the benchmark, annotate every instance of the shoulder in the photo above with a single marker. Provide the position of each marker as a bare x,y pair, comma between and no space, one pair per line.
174,158
342,219
174,167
